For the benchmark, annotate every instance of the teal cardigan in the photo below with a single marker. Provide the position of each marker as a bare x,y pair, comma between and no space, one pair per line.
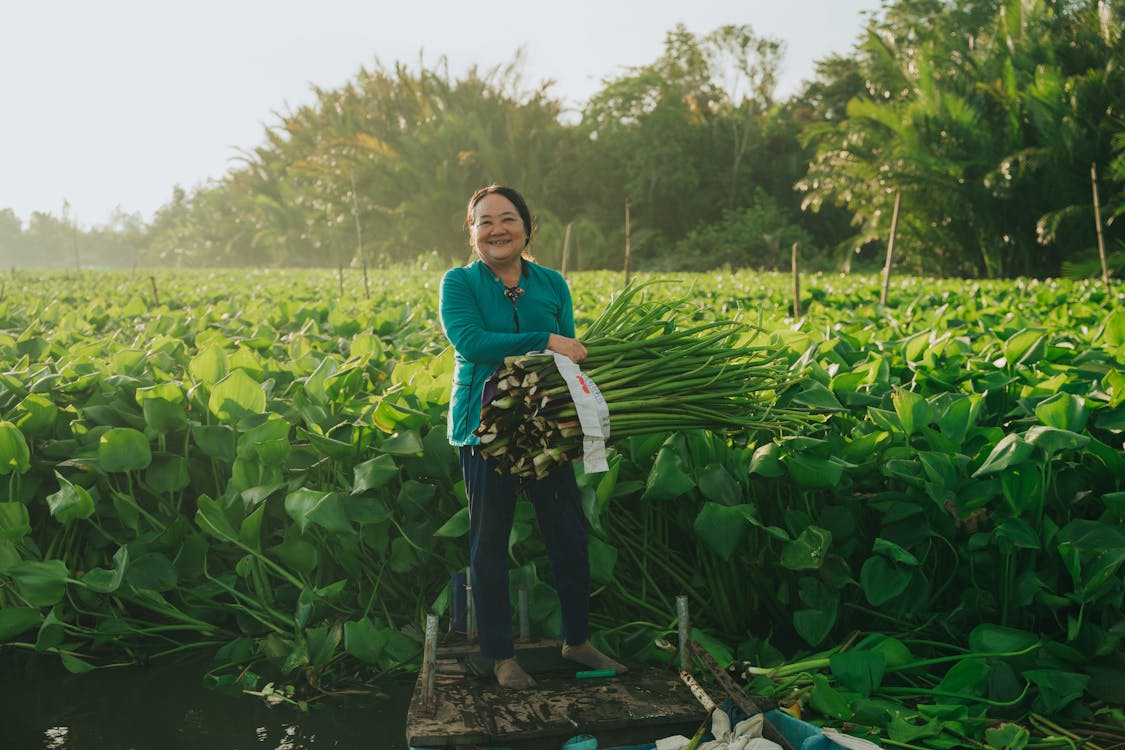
481,323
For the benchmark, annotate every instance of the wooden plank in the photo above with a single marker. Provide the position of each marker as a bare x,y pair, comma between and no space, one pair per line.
642,705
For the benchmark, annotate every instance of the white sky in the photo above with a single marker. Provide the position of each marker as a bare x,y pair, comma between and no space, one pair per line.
108,104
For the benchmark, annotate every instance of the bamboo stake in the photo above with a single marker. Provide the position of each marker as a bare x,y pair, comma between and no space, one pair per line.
796,282
1098,222
685,631
359,234
429,659
890,250
566,248
628,242
155,293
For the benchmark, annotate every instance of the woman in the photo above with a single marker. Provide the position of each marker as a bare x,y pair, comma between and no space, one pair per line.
499,305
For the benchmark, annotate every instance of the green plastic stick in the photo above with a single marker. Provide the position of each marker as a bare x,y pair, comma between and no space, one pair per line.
596,673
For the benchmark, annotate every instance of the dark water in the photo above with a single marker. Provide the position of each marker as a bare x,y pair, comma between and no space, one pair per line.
166,707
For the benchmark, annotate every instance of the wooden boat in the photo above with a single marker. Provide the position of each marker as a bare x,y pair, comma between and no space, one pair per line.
466,709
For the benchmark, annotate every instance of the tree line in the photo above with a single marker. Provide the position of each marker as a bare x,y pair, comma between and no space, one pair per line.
990,123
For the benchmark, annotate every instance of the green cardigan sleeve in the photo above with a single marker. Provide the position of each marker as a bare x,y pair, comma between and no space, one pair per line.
466,329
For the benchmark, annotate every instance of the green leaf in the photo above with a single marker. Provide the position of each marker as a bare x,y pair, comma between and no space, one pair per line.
1007,737
374,473
403,443
603,560
364,640
766,461
913,411
35,414
456,526
1052,440
960,417
103,581
266,443
163,408
73,664
15,522
807,551
71,502
17,620
989,638
1057,689
236,396
1025,347
861,671
1063,411
882,580
968,677
812,471
1010,451
721,527
715,483
325,509
829,701
216,441
669,478
123,449
210,366
816,395
212,519
892,551
41,584
14,453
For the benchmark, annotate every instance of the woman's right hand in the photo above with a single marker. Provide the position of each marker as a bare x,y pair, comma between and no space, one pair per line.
568,347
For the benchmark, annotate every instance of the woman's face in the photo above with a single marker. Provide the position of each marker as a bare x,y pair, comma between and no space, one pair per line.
497,234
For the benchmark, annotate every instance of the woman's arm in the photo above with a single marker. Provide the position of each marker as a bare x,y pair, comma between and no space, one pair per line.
465,326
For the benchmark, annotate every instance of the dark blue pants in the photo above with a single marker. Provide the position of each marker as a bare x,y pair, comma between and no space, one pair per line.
492,504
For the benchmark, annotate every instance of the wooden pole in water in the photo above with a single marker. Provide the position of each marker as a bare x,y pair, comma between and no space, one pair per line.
1098,222
429,663
628,242
566,248
796,282
525,616
890,251
685,631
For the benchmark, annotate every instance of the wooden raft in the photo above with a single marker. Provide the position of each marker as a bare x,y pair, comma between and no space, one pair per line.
641,706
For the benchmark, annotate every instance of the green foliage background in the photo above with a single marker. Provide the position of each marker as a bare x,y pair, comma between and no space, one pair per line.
256,464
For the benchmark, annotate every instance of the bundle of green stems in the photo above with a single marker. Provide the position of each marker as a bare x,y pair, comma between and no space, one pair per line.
655,377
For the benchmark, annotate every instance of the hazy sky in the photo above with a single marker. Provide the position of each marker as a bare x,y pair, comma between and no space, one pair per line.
108,104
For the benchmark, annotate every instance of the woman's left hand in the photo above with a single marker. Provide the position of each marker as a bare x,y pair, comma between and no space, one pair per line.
568,347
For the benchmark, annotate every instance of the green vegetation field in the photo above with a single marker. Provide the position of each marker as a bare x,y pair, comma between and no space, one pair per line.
255,463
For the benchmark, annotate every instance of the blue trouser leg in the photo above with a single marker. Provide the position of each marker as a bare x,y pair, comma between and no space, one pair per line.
563,526
492,501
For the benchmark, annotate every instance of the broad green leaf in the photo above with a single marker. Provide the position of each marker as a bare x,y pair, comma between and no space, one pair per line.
163,408
152,571
715,483
817,396
105,581
267,443
766,461
1025,347
456,526
123,449
1017,532
374,473
913,411
72,663
1057,688
669,478
722,528
1010,451
882,580
603,560
325,509
216,441
812,471
71,502
40,584
1063,411
298,554
212,519
861,671
1007,736
967,677
35,414
403,443
210,366
15,522
960,417
167,474
991,638
893,551
807,551
1052,440
828,700
17,620
14,453
236,396
1022,487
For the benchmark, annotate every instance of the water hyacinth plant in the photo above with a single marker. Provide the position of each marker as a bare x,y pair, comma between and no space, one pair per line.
656,376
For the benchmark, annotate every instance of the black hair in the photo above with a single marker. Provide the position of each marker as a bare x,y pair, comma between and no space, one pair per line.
511,194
